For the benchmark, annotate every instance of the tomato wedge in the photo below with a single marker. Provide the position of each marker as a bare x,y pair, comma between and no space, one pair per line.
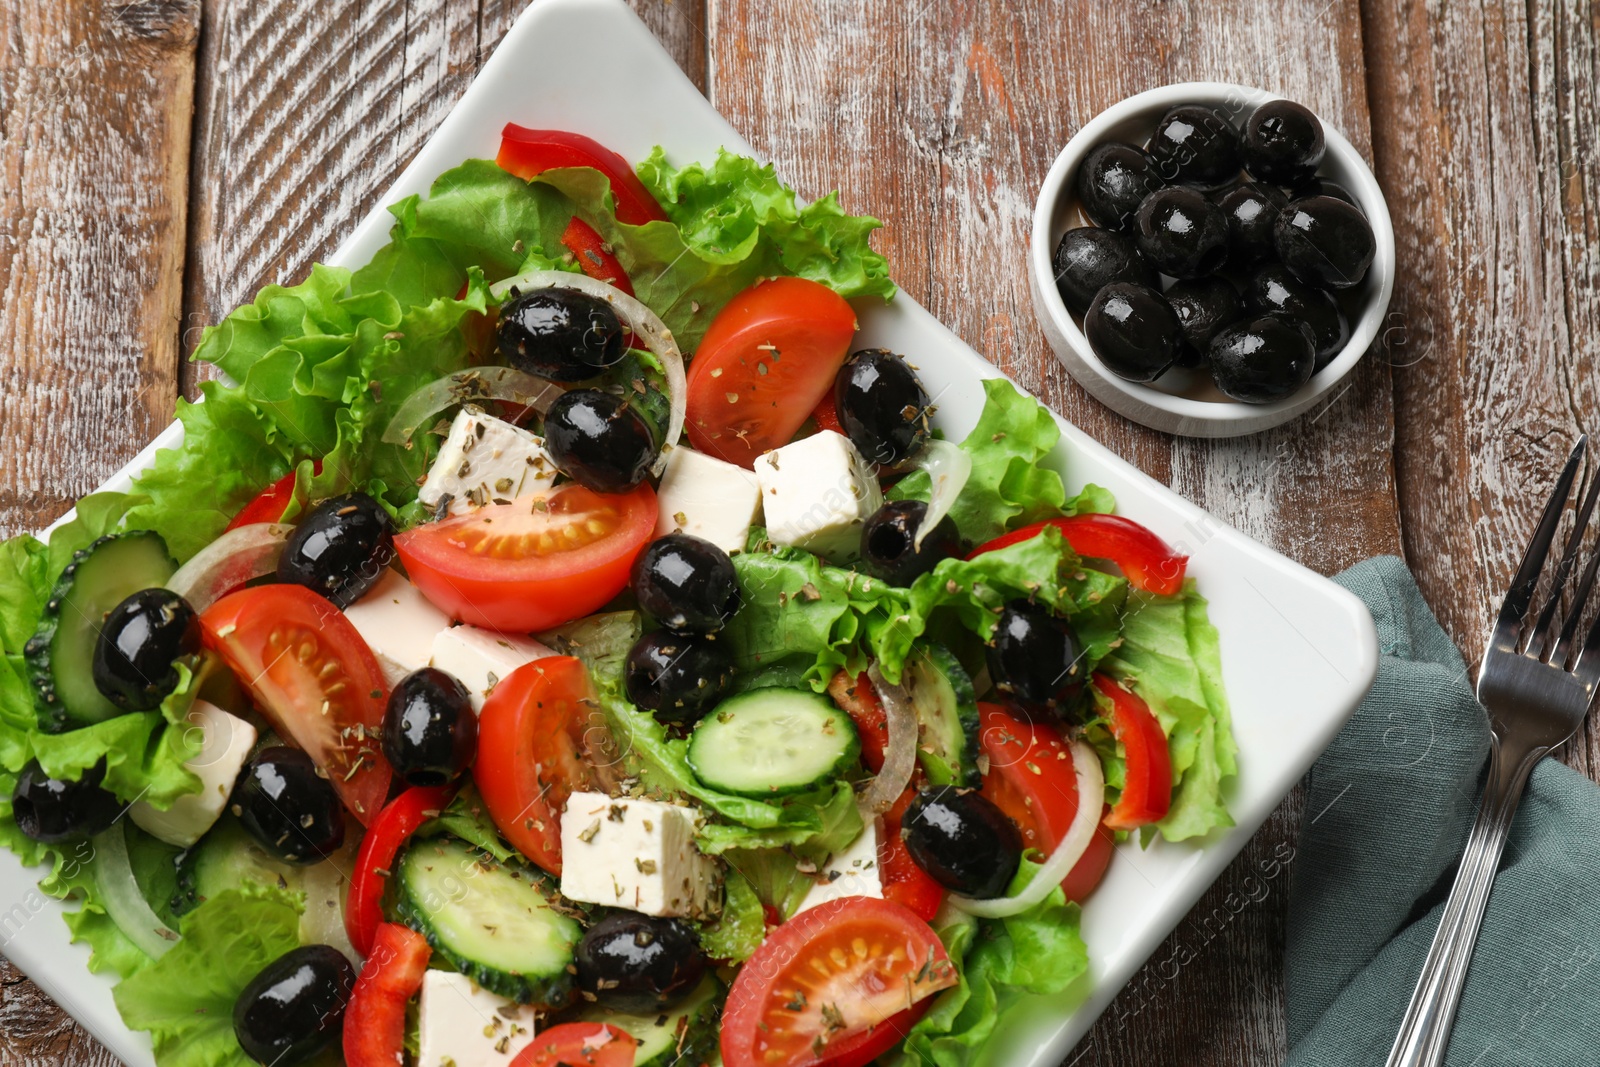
869,1044
903,881
827,975
530,744
313,676
594,255
764,364
375,1019
529,153
1031,779
1145,559
579,1045
363,908
1147,791
534,563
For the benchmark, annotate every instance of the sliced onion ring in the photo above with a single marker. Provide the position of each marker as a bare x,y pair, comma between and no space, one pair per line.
466,386
325,885
230,561
641,320
948,466
122,899
899,752
1091,801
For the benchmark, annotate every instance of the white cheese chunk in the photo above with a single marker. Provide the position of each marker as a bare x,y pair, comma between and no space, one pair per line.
852,872
399,624
816,493
486,460
226,745
636,854
480,658
463,1025
709,498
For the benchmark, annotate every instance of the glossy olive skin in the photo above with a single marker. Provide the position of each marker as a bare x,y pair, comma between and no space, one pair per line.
560,334
1181,232
1133,330
1203,306
599,440
294,1008
1271,288
430,732
1088,259
963,841
635,963
139,642
53,810
1112,181
1324,242
1033,658
340,548
1252,211
686,583
1196,145
887,542
882,406
1324,187
288,808
1262,359
1282,142
679,677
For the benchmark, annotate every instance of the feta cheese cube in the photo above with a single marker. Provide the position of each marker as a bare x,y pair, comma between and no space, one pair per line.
463,1025
399,624
480,658
226,745
852,872
816,494
486,460
709,498
636,854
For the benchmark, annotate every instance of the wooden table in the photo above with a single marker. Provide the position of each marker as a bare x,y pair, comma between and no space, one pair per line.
162,159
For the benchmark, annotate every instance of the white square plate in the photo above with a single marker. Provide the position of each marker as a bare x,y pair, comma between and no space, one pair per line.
1298,652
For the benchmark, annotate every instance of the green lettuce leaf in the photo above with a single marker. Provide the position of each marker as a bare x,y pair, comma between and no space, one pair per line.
781,865
741,927
466,817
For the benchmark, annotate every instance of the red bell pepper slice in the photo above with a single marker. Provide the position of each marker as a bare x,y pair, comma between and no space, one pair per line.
375,1021
826,414
859,700
363,909
529,153
594,255
269,504
1147,792
903,881
1145,559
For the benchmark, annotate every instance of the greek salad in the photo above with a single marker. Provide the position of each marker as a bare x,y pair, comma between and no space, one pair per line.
559,642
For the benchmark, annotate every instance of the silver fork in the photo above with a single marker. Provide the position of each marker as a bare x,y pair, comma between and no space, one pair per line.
1537,684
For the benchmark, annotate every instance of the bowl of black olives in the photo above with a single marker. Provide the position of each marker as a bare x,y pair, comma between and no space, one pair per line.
1209,259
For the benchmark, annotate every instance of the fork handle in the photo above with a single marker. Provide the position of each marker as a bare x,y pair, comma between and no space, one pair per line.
1424,1035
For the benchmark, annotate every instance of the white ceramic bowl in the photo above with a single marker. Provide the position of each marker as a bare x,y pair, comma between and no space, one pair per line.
1184,402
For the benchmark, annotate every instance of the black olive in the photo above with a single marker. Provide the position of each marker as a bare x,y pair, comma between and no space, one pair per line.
1323,187
1089,258
887,542
1196,145
963,841
290,809
686,583
1033,658
1133,330
1181,232
1273,289
1251,209
638,964
340,548
599,440
882,406
679,677
1282,142
430,732
1262,360
53,810
560,334
1325,242
1112,180
294,1008
139,643
1203,306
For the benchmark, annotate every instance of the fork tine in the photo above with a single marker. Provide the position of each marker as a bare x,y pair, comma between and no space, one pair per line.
1520,596
1563,653
1588,489
1587,665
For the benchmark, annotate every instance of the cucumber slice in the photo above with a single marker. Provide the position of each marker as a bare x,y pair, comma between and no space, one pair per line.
60,655
769,742
947,716
493,923
684,1036
227,857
